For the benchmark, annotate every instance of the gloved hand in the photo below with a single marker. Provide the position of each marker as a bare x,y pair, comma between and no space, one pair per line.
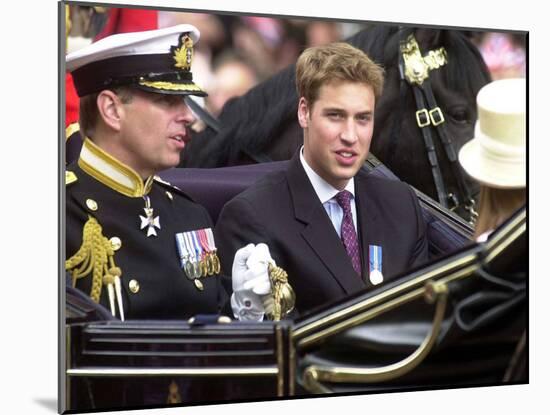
239,273
257,264
250,280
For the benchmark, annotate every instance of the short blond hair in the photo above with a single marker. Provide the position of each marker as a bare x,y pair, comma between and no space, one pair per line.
320,65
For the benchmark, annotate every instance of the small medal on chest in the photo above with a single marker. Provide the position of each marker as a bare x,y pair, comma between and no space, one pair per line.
375,264
197,254
213,251
149,221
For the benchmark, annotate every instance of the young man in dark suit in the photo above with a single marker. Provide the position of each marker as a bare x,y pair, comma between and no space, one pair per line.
334,228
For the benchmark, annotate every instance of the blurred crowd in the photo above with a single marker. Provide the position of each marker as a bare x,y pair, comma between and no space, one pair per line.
236,52
504,53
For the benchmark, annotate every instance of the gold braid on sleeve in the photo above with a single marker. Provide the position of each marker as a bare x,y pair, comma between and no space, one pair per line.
95,256
282,293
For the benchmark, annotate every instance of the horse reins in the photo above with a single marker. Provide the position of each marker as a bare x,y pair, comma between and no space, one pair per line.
414,69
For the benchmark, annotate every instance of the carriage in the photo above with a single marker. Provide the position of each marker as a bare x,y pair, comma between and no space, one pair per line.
460,320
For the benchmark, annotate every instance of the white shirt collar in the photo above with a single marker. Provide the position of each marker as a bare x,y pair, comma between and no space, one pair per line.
324,190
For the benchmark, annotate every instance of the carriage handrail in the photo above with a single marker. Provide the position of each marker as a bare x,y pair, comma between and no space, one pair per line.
314,374
311,331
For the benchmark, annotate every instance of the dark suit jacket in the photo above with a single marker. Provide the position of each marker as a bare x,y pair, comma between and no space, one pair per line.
283,211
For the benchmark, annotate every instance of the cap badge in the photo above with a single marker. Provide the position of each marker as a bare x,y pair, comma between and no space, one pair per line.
183,53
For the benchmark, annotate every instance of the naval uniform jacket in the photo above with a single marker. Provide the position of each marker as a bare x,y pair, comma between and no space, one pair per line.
150,263
283,211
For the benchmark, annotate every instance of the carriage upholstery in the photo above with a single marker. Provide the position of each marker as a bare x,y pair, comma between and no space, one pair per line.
214,187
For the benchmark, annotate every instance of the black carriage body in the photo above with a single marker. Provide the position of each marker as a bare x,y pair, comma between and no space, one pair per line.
136,364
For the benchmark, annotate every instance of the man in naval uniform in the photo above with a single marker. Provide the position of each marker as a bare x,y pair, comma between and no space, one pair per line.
137,245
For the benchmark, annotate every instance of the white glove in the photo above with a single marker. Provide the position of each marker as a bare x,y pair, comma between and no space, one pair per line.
250,280
257,263
239,273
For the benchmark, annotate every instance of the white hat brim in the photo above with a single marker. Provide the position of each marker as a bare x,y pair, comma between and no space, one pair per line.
146,42
490,171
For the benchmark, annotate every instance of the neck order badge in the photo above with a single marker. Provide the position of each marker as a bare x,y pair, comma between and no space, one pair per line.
149,221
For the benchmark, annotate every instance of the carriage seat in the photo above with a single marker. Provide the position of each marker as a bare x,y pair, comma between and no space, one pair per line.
212,188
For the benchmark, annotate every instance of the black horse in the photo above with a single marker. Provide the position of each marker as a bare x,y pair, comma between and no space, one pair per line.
262,125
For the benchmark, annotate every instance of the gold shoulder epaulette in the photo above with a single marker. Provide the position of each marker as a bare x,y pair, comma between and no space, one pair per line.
70,177
161,180
71,129
172,187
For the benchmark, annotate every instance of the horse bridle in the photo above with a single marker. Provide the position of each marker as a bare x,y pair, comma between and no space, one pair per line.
414,69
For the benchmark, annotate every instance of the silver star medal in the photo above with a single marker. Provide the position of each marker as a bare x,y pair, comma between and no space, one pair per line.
148,221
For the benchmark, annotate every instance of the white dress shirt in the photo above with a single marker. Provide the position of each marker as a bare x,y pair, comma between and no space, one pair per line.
326,192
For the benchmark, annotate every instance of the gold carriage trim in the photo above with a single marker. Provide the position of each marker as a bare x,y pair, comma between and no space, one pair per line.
170,86
417,67
95,257
174,395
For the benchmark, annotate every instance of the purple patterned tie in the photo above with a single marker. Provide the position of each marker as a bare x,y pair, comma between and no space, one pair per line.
348,234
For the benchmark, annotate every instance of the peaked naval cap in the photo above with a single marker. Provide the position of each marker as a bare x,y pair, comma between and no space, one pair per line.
154,60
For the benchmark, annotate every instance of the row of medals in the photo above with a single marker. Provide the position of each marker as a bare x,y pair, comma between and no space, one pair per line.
198,256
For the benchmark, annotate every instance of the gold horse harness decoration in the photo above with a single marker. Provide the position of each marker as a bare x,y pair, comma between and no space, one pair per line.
417,67
417,70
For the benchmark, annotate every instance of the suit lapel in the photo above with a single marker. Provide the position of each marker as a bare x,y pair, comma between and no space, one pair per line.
318,230
369,226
